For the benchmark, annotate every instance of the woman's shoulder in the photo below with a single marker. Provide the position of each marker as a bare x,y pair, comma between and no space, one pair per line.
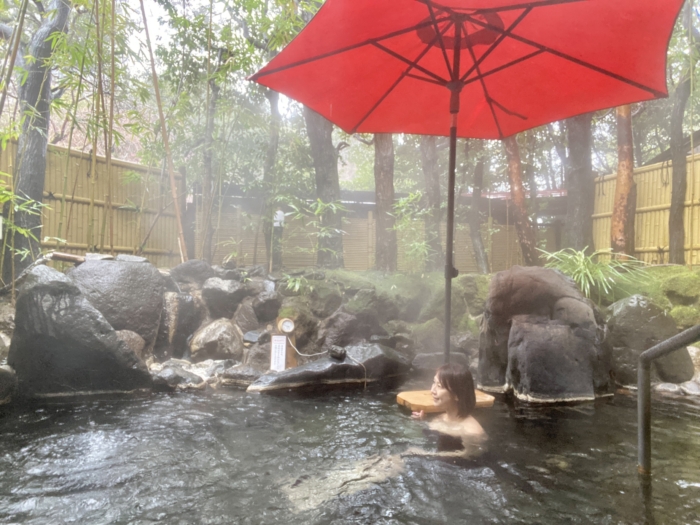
472,427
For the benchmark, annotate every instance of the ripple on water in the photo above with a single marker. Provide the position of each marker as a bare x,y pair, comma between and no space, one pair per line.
229,457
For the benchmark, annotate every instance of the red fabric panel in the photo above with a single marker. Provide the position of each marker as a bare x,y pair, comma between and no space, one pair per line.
352,63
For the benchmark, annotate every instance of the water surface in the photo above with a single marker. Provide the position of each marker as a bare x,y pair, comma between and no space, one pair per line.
230,457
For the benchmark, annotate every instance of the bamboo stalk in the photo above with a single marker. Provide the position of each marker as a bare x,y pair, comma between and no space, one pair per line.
15,47
166,145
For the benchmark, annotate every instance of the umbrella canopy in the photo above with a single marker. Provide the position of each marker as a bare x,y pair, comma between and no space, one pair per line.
390,66
497,67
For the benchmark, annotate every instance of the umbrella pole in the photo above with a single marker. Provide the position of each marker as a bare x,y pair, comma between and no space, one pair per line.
450,271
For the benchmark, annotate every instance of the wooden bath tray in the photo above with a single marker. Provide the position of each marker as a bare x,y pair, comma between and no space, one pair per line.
418,400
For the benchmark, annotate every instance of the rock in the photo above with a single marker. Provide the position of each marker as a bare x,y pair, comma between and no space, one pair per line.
128,294
98,257
690,388
63,345
429,337
267,305
245,317
475,290
133,340
425,365
227,274
4,350
179,320
550,362
130,258
367,306
338,330
682,289
324,299
193,272
7,316
251,337
258,357
465,344
8,384
685,316
169,284
254,271
668,388
173,377
305,324
694,353
636,324
542,339
222,297
378,363
240,376
217,340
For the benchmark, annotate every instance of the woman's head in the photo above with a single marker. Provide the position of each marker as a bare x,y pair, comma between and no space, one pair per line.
453,385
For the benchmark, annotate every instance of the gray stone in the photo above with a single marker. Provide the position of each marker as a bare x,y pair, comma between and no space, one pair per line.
222,297
690,388
130,258
324,299
133,341
8,384
636,324
4,350
7,316
465,344
245,317
251,337
173,377
64,345
240,376
128,294
258,357
429,336
267,305
180,319
194,272
217,340
365,363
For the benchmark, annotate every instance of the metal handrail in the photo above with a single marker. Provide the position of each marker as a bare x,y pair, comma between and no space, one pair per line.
644,391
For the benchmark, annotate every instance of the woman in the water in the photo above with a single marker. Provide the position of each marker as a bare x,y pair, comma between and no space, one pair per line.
458,433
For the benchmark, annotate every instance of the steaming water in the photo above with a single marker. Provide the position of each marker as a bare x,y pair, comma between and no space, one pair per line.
229,457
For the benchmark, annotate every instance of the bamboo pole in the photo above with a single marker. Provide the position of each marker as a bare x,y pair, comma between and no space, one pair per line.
13,56
166,145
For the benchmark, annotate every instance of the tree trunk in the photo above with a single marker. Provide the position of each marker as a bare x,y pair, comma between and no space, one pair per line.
429,162
482,261
209,183
30,163
679,178
385,243
580,184
621,232
330,240
526,234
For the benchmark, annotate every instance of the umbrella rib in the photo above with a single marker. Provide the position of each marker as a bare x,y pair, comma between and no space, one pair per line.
570,58
486,93
345,49
439,35
512,7
493,46
504,66
429,80
403,75
412,63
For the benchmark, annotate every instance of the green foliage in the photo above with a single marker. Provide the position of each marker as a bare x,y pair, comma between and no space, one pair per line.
313,218
410,213
597,274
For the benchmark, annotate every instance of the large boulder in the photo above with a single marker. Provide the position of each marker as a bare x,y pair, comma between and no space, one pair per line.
179,320
223,297
192,273
218,340
267,305
636,324
63,345
245,317
542,339
305,324
372,308
325,298
240,376
133,340
128,294
364,364
682,289
8,384
257,357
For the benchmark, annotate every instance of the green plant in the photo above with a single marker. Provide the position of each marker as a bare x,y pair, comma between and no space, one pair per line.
410,214
297,283
597,273
314,216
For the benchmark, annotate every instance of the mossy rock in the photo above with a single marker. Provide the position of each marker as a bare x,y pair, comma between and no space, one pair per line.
407,292
469,324
685,316
682,289
305,324
475,290
325,298
429,336
351,282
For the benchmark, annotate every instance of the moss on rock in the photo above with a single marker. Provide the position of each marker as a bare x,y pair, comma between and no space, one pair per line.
429,336
685,316
682,289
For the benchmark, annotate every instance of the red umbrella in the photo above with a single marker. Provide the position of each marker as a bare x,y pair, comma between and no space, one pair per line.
498,66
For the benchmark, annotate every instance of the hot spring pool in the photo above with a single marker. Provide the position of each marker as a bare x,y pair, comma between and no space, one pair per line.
230,457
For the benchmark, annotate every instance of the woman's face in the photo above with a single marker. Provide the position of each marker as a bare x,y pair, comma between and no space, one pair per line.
442,397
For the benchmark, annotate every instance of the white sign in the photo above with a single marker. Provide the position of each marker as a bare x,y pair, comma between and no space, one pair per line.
278,353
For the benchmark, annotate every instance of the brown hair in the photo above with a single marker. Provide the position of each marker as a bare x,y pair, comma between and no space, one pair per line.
459,382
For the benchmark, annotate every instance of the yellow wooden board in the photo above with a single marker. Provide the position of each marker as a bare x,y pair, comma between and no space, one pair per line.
418,400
